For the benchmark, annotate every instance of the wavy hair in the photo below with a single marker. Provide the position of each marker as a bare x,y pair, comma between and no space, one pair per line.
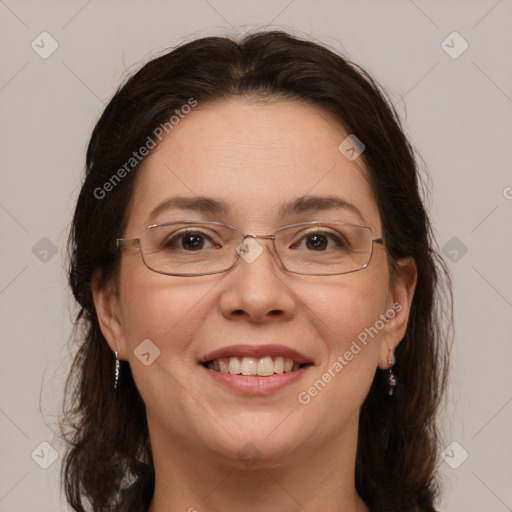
108,464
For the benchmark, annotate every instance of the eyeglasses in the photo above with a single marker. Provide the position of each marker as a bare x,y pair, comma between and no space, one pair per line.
191,248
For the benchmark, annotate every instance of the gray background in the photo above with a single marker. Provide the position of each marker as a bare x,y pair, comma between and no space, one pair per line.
457,112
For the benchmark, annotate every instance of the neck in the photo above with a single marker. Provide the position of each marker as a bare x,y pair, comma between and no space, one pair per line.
317,478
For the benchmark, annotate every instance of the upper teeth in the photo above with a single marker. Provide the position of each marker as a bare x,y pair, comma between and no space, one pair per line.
262,366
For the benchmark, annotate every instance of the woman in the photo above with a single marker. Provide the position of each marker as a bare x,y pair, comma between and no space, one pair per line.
261,322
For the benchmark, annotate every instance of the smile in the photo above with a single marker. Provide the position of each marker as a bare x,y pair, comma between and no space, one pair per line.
249,369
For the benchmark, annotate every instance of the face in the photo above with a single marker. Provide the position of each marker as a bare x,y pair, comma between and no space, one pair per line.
254,157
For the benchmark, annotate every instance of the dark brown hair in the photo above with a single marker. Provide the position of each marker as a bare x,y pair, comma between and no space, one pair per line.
109,458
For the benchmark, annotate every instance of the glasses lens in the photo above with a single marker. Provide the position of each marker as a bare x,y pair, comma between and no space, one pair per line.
188,248
324,249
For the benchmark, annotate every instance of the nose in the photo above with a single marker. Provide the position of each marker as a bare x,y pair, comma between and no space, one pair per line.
256,287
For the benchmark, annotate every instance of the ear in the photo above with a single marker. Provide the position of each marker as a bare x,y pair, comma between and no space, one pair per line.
400,298
106,303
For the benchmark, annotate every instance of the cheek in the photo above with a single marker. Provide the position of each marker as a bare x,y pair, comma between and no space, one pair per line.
346,308
162,318
347,319
166,310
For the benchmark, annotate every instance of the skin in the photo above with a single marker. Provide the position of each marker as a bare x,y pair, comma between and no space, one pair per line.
254,155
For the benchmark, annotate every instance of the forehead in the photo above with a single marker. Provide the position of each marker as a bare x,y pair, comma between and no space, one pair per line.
255,158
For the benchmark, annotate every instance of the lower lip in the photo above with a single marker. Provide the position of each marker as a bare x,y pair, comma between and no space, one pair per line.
253,385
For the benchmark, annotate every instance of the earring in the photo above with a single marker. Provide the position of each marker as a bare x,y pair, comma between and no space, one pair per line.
116,371
391,376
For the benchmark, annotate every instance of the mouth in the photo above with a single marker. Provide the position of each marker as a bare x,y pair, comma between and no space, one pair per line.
255,369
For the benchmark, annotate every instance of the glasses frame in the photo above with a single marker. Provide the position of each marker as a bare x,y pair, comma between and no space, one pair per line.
130,243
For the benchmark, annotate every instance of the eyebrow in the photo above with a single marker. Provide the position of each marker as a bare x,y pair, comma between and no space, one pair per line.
303,204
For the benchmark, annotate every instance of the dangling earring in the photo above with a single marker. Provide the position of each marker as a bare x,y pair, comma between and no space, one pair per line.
391,376
116,371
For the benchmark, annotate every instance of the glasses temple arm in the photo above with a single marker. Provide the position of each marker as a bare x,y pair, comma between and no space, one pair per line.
127,243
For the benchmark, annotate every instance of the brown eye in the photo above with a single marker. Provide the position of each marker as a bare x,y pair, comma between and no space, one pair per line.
321,241
188,241
317,242
192,242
